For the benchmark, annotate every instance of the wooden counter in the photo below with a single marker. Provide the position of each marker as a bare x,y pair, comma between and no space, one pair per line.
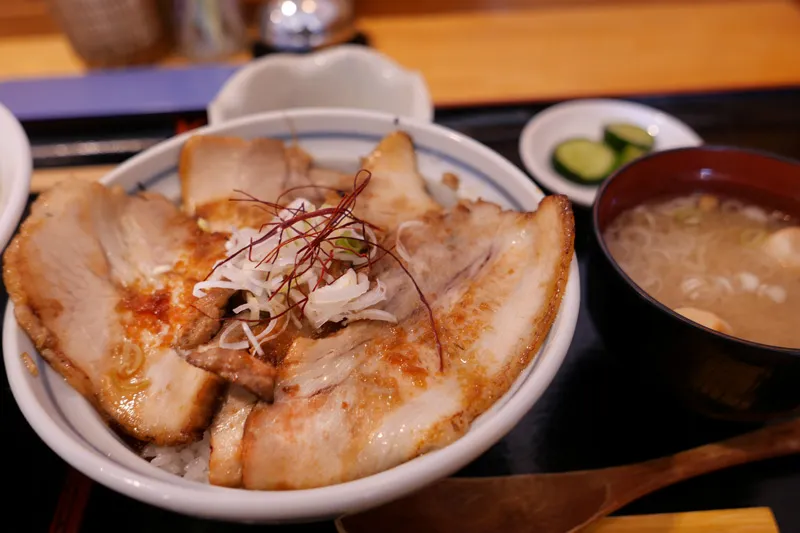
553,52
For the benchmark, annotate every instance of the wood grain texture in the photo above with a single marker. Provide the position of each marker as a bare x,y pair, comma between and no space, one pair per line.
563,502
25,17
29,17
755,520
552,53
620,49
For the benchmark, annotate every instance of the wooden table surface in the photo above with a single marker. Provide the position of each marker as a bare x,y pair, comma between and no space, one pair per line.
552,52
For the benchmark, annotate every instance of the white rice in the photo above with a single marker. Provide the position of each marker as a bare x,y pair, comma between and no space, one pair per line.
189,461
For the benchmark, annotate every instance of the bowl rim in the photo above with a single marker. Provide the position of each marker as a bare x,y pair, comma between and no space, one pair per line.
421,106
598,235
308,504
16,197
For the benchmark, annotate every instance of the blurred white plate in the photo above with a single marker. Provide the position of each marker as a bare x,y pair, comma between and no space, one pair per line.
586,118
347,76
15,174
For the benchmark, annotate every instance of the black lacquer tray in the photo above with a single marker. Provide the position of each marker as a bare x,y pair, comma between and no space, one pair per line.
595,413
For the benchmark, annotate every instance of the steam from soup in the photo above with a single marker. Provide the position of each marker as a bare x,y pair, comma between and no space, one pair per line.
719,258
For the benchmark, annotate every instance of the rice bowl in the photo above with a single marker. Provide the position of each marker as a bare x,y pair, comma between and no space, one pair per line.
67,423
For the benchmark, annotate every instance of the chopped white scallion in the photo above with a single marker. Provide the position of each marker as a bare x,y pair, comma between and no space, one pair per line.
748,281
295,320
724,283
756,214
372,238
347,301
373,314
255,311
254,342
350,285
690,285
268,334
399,247
161,269
200,287
231,345
278,273
774,292
241,308
252,306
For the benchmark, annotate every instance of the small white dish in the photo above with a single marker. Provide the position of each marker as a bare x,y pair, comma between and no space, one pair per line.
15,174
336,138
586,118
349,76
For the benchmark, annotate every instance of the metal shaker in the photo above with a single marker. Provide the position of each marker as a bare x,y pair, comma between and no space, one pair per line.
305,25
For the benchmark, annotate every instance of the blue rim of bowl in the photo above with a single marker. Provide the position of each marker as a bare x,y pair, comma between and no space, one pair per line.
644,294
483,177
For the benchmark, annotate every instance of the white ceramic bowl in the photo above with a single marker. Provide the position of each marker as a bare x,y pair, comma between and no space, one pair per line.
15,174
351,76
66,422
586,118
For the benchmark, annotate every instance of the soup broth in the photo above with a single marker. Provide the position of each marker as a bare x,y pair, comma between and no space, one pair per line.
726,264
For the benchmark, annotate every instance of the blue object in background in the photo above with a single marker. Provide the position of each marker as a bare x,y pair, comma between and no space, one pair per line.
136,91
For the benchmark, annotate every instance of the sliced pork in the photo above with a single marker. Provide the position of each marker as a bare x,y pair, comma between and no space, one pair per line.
213,168
374,395
397,190
225,463
235,366
268,170
101,282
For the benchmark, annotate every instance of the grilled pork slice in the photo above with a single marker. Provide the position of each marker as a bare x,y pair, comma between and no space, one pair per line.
375,395
235,366
251,378
101,282
213,170
204,319
212,167
225,462
397,190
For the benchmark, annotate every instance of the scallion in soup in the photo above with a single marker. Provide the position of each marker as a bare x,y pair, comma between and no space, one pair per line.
729,265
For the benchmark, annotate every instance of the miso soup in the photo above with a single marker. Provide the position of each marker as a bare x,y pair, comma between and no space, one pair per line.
729,265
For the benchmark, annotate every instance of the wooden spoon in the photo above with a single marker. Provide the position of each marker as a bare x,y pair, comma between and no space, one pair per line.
561,503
